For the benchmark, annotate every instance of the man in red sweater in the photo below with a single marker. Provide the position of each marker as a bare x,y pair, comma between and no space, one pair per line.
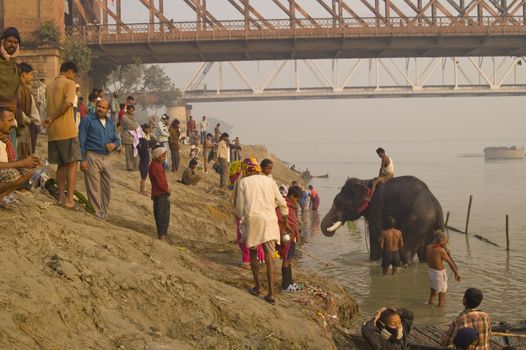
160,192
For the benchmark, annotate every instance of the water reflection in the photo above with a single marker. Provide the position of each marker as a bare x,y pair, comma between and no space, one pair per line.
314,223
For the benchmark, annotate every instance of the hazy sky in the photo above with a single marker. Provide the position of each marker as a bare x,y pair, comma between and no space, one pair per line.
315,130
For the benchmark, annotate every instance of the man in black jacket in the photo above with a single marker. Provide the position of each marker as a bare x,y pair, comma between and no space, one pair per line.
389,329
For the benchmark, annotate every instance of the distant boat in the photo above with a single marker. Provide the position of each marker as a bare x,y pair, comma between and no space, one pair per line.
306,175
512,152
326,176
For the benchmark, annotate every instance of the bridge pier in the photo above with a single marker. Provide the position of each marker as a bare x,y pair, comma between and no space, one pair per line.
180,110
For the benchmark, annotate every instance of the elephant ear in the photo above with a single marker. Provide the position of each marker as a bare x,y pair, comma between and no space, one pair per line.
355,190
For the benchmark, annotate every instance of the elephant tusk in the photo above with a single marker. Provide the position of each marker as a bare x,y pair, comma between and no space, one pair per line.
335,226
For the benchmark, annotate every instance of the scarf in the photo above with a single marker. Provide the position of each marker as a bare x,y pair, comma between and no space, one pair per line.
250,166
11,157
4,53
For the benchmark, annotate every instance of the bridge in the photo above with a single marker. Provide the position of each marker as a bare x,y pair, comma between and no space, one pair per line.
359,48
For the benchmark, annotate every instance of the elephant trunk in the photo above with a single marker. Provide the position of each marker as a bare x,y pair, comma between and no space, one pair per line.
331,222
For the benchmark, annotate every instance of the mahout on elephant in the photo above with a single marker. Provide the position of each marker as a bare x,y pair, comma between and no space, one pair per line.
405,198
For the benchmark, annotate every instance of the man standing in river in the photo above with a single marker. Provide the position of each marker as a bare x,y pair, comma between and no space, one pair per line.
436,255
391,242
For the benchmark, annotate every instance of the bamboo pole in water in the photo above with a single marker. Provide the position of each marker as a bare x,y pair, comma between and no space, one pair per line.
507,232
469,213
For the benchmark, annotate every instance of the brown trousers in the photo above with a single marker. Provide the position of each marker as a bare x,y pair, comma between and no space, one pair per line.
132,163
223,176
98,182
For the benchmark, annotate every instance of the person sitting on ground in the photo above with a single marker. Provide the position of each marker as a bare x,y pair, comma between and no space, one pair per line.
13,173
436,254
471,317
189,175
466,339
391,242
314,198
160,192
386,172
389,329
287,248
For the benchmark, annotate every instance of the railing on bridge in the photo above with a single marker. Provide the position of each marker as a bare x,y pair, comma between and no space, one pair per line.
297,28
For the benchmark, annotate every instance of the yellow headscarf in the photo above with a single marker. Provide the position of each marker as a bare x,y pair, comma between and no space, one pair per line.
250,166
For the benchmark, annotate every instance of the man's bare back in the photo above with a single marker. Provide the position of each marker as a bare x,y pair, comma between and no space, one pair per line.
391,240
436,254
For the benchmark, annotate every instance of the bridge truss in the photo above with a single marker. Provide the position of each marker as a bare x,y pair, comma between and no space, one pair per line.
208,15
357,78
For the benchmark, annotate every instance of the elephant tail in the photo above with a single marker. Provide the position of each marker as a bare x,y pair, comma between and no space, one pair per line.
439,223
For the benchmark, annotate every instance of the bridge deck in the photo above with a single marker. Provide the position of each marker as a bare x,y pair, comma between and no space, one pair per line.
364,38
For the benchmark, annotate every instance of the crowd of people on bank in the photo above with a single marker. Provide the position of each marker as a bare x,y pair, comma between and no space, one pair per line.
86,134
266,215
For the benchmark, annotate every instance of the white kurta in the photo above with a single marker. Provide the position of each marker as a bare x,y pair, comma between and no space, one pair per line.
257,199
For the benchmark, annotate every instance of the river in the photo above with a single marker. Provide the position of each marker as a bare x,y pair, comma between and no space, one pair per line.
498,188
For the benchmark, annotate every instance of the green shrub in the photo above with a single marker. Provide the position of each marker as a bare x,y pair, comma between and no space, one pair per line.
48,33
79,53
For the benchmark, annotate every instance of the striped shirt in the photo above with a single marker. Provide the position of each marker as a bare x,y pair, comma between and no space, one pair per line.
470,318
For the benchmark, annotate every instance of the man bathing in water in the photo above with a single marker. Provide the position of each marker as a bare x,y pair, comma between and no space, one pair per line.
437,253
391,242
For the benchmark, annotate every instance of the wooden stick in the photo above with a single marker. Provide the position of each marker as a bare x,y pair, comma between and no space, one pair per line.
502,334
447,219
313,257
507,232
469,213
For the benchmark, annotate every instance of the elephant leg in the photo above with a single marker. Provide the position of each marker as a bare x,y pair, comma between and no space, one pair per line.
421,253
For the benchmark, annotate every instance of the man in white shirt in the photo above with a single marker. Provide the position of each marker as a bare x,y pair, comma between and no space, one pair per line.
256,202
203,129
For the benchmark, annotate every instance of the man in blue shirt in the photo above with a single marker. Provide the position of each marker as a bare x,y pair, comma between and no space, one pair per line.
98,138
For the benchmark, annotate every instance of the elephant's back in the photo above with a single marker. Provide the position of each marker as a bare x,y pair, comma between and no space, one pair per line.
409,191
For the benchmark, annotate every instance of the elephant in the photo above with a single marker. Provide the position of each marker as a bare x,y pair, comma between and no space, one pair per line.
407,199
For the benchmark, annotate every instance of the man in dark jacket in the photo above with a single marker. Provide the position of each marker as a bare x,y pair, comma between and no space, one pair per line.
389,329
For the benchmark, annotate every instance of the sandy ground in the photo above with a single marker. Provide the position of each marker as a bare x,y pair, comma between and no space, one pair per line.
71,281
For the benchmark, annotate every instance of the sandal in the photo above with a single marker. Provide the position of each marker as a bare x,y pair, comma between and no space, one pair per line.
269,300
254,292
292,288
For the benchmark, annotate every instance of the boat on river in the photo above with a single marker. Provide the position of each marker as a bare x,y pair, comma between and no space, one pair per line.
512,152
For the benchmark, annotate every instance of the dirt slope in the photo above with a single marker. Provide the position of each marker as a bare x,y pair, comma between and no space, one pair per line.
71,281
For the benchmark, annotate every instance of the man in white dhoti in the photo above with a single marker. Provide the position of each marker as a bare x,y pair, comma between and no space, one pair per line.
436,254
256,202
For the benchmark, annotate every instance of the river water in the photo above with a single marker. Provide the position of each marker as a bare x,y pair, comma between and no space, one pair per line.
498,188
